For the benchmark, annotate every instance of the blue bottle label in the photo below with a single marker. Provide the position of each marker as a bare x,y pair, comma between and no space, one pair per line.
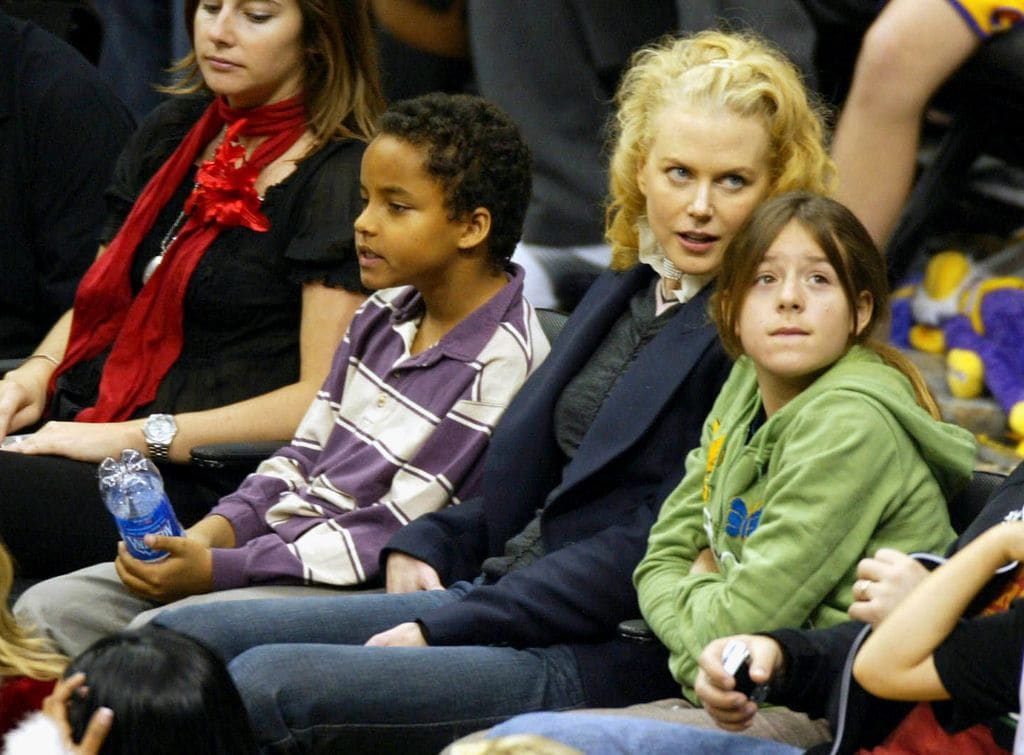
160,521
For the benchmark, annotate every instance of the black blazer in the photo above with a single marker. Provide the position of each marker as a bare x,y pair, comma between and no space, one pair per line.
597,508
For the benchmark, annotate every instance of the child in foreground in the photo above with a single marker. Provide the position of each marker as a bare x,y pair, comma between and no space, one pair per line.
151,690
399,427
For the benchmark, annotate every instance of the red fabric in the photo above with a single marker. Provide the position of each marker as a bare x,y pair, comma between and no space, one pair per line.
145,334
20,695
921,734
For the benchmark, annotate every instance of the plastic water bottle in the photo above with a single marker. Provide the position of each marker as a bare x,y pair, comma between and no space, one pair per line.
133,492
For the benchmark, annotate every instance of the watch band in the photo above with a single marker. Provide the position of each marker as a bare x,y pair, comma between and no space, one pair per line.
159,431
157,451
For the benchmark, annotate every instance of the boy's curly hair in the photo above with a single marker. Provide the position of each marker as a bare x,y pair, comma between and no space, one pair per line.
477,154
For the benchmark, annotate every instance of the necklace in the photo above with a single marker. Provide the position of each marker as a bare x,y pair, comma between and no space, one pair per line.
165,243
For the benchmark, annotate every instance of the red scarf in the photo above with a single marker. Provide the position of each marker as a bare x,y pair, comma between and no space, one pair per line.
145,334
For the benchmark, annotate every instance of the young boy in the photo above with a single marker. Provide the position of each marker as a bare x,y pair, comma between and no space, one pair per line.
400,425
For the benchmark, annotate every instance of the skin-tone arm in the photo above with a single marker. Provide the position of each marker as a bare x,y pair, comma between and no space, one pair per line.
733,710
909,51
326,313
897,661
882,583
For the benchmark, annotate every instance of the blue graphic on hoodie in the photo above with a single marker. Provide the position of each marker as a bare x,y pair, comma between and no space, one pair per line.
742,523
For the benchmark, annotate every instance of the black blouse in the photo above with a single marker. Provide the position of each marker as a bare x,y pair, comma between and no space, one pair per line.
243,305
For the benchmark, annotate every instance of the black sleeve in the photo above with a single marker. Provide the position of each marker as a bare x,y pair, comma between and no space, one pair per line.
818,681
813,666
81,127
321,245
577,593
980,665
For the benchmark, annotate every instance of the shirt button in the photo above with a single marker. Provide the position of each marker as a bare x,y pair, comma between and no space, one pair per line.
382,399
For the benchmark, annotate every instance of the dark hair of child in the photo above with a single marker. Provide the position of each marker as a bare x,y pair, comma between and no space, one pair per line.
169,693
476,153
849,249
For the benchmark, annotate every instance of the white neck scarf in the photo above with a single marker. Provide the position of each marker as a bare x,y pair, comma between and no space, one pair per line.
652,254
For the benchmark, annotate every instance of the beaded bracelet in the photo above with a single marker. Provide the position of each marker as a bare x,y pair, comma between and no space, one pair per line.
47,357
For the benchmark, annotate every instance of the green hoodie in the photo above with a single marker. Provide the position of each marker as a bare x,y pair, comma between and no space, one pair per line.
849,466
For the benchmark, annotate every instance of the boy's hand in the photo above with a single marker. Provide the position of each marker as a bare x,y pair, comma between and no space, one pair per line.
55,707
882,582
733,710
407,574
407,635
187,570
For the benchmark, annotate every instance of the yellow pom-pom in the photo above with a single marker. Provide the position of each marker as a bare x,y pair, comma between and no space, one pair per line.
945,273
965,373
927,339
1016,419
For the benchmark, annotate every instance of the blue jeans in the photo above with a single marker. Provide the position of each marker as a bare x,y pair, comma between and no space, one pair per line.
620,735
310,685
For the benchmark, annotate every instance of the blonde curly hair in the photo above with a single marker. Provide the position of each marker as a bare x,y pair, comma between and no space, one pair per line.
22,653
739,72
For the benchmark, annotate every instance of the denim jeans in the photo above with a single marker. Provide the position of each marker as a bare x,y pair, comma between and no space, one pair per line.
619,735
310,685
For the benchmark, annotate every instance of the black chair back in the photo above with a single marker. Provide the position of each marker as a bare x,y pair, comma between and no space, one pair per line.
968,503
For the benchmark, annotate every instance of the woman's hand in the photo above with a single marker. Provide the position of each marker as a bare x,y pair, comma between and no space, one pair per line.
882,582
407,635
83,441
407,574
55,707
22,398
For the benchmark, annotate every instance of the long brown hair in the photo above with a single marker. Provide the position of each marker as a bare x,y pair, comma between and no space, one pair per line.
341,82
850,250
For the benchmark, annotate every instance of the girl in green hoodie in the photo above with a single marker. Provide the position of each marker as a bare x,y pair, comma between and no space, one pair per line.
822,446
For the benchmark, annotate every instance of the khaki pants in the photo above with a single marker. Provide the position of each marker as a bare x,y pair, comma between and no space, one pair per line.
79,608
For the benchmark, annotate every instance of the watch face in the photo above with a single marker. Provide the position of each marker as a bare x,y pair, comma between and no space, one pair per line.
160,428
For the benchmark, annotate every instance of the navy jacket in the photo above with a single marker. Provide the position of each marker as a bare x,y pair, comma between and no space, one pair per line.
598,507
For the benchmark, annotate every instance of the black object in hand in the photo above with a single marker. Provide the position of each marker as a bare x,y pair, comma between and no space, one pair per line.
736,661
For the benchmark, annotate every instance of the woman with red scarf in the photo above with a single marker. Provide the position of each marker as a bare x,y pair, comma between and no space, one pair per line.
225,280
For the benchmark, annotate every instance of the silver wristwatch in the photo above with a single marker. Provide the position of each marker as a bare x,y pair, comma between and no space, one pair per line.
159,431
